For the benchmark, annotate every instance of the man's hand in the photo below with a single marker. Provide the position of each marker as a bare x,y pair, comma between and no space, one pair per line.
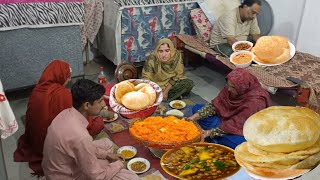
194,117
231,40
255,37
114,157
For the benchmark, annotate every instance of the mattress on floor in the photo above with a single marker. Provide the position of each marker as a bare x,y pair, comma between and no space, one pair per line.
25,52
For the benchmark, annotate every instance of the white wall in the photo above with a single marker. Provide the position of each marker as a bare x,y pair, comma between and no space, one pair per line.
309,35
298,20
287,15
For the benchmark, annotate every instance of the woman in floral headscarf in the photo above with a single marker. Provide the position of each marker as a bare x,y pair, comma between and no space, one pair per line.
164,66
224,117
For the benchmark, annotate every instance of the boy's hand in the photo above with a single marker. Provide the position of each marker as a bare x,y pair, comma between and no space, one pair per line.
114,157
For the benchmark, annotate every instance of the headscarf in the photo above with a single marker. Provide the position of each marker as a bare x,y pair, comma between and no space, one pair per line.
47,100
167,72
233,112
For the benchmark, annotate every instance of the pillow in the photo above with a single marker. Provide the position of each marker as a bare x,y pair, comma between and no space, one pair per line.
201,24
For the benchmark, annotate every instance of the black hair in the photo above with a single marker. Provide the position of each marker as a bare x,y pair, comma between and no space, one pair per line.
249,3
85,90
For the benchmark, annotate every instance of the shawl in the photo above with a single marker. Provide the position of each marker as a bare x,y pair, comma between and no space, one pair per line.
233,112
47,100
8,123
164,73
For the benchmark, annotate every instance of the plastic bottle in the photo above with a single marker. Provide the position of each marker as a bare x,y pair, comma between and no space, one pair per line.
102,79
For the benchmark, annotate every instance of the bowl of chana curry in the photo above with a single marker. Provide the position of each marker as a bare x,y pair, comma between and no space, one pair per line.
138,165
241,59
200,161
242,46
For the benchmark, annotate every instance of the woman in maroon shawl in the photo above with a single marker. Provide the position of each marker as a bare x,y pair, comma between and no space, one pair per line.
47,100
224,117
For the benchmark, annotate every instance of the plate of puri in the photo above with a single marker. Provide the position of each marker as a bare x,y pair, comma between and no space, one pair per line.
282,143
273,50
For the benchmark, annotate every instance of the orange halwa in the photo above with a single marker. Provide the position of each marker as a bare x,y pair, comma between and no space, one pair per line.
164,129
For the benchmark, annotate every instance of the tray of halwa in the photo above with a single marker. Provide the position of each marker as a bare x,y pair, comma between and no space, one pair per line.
200,161
165,132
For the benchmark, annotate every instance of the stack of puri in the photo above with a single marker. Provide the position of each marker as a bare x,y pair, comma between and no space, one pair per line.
282,141
271,50
135,97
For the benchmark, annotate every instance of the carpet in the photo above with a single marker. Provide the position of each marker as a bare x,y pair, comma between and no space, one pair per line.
190,100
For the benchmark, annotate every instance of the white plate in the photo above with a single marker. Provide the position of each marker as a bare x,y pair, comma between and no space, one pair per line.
175,112
268,178
131,148
146,162
292,52
115,117
177,101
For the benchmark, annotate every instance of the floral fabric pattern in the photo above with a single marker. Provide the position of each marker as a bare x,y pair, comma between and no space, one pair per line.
206,111
201,24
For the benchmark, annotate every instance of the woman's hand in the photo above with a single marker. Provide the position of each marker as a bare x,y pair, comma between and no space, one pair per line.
194,117
165,96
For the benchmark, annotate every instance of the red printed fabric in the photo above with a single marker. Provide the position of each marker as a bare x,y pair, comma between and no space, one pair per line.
95,126
201,24
233,112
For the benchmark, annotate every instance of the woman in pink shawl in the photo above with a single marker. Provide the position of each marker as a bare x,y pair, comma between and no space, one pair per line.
224,117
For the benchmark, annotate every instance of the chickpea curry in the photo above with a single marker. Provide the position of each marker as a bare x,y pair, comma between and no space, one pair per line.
138,166
200,161
242,46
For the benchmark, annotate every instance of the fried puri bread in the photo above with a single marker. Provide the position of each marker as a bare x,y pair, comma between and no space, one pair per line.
148,89
271,49
284,56
283,129
140,86
122,88
304,152
135,100
270,172
285,159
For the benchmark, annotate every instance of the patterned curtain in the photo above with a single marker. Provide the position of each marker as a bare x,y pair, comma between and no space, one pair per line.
146,2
